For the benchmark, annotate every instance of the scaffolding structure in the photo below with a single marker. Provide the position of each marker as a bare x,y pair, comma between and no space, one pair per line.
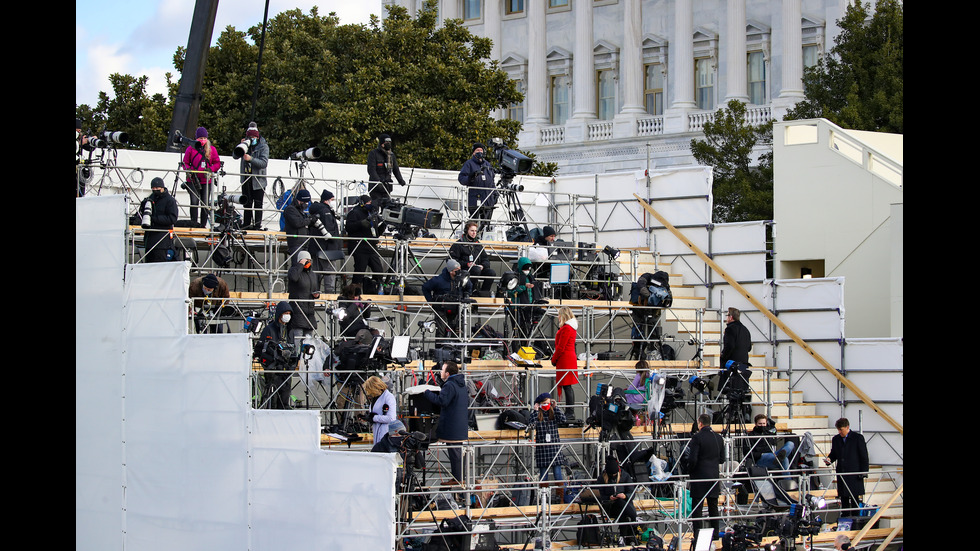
497,462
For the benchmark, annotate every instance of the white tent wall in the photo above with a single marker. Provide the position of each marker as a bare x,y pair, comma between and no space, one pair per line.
169,453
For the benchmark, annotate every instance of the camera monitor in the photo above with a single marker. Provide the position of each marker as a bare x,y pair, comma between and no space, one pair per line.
561,274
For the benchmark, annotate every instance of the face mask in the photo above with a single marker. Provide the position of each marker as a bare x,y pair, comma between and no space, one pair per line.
387,146
255,141
479,157
526,272
157,192
285,318
207,292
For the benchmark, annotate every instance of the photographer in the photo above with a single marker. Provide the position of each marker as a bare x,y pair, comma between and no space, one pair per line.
207,294
383,414
253,170
470,254
547,453
203,159
157,237
363,225
354,311
270,350
381,166
302,288
765,443
519,300
297,224
446,294
326,251
80,140
453,417
478,176
617,500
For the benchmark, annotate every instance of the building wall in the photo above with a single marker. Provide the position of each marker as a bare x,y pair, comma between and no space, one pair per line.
542,41
837,205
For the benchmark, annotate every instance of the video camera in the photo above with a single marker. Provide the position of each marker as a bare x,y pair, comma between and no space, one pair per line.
280,355
364,357
407,220
735,380
742,537
510,162
609,410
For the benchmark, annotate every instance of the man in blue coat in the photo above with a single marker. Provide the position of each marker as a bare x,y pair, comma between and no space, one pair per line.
453,427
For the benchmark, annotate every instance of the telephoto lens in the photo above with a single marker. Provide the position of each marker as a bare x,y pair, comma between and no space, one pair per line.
147,213
239,151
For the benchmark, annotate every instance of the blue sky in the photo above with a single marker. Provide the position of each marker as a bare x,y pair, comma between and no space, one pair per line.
140,36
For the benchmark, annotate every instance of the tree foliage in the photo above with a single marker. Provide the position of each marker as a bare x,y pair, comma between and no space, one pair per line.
337,87
741,191
860,84
145,118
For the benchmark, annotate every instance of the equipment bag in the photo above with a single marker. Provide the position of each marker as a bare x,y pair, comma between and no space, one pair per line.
281,203
484,538
588,533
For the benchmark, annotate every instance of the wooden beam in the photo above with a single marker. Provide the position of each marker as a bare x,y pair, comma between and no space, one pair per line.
857,539
772,317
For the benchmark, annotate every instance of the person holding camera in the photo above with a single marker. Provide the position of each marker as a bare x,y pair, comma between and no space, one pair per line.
303,288
270,350
208,294
159,214
547,453
519,300
363,226
255,159
445,294
297,224
326,250
452,427
200,160
354,311
617,497
478,176
381,166
470,254
383,414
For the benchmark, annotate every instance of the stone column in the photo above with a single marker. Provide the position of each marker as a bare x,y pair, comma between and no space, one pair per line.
792,59
491,30
536,101
735,58
631,70
681,56
583,76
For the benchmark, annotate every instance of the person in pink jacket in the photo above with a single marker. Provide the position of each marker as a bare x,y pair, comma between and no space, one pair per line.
564,358
201,157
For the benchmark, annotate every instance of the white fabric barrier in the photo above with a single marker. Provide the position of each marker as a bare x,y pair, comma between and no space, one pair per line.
169,453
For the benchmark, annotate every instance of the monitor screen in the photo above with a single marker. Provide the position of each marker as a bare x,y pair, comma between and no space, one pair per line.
561,273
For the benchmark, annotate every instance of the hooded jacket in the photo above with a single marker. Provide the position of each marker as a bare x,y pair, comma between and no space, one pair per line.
522,294
454,402
276,332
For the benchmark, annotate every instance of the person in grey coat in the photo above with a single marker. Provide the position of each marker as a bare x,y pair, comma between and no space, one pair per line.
254,164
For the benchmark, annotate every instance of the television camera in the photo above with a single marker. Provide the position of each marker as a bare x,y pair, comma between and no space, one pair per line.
800,520
281,355
509,163
744,536
407,221
610,413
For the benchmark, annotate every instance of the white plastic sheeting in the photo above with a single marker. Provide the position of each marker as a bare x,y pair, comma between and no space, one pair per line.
169,453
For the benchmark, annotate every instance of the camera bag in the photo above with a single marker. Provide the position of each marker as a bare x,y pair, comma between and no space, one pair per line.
588,534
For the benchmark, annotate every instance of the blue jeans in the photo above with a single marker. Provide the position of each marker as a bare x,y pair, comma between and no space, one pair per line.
769,460
555,471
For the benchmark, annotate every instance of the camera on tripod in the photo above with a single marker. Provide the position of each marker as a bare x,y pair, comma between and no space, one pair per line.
407,220
737,375
510,162
225,213
180,139
106,140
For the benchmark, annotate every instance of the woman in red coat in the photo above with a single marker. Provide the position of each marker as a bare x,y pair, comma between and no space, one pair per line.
564,359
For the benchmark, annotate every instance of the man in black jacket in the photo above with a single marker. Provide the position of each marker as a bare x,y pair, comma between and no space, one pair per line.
735,346
850,451
707,451
478,176
362,230
269,351
157,239
381,166
327,251
297,225
470,254
302,288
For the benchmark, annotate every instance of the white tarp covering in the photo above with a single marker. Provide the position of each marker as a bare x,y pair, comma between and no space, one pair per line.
169,454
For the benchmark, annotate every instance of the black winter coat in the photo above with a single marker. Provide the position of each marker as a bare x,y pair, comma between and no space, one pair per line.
465,251
479,177
162,220
302,283
851,455
328,217
297,227
380,170
707,451
453,401
737,343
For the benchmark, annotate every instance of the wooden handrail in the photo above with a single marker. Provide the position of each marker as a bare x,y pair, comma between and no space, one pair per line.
877,515
772,317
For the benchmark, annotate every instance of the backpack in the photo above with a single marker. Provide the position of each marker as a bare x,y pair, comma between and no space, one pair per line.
282,202
483,538
455,542
588,533
535,234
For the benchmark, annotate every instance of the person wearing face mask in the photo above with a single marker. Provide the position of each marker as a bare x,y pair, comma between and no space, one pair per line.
297,225
253,171
200,161
452,427
564,359
158,238
470,254
302,288
328,254
381,166
207,294
519,300
268,350
478,176
362,229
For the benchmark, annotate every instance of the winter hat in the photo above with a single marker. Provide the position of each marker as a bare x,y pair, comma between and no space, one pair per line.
201,133
210,281
157,182
383,138
612,466
326,195
548,230
253,130
542,397
452,265
303,255
478,145
303,195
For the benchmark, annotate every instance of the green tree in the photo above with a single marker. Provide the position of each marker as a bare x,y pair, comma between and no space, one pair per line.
337,87
741,191
860,84
145,118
